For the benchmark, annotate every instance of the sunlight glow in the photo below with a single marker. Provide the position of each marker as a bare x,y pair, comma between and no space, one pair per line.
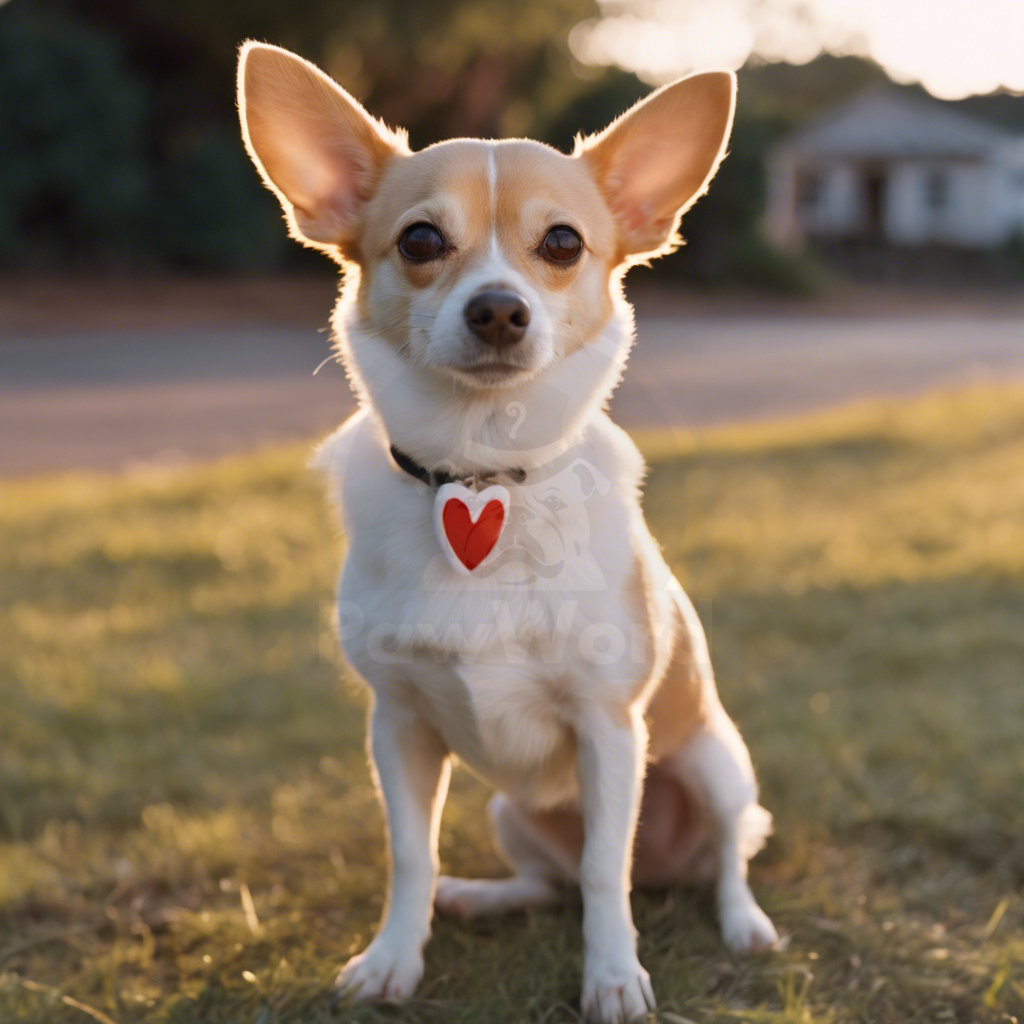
952,47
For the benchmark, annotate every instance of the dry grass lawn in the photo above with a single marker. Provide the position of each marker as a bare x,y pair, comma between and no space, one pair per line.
187,828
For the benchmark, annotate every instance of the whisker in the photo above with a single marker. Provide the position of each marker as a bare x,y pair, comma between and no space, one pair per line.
330,359
386,329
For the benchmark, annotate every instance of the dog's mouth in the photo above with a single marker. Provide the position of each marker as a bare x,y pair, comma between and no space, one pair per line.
494,371
494,367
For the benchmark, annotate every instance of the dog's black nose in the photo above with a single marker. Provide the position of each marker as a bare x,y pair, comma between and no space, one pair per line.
498,318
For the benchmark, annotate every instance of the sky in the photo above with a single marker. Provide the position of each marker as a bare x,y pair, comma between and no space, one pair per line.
954,48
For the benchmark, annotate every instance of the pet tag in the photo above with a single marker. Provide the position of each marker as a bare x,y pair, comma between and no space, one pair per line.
468,524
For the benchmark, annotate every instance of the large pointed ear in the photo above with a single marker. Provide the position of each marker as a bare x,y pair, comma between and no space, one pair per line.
314,145
656,160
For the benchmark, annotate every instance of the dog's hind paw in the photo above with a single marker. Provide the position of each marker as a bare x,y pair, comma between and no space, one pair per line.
381,973
475,897
746,928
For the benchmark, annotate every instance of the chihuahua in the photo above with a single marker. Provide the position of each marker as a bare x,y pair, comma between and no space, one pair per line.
502,595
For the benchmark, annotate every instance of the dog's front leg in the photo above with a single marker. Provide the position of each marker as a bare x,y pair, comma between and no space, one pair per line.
612,745
413,767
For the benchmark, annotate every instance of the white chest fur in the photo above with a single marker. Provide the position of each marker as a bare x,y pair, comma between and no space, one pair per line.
496,660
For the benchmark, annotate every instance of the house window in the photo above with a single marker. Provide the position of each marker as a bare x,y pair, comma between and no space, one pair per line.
809,190
936,190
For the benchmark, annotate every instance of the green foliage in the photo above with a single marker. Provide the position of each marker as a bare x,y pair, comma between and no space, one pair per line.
81,182
209,209
594,108
790,93
172,731
437,67
73,175
119,131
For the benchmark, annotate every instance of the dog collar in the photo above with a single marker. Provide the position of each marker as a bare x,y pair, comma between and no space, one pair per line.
437,478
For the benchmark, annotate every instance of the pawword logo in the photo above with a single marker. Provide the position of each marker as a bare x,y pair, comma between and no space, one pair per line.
525,592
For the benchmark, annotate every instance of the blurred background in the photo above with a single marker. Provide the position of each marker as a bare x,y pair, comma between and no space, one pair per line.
876,170
828,386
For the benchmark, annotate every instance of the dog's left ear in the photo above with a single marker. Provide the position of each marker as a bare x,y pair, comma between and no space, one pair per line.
314,145
656,160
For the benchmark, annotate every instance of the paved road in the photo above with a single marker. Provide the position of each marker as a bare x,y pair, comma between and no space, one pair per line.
108,400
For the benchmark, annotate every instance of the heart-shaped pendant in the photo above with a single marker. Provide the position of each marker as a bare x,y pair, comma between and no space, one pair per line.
468,524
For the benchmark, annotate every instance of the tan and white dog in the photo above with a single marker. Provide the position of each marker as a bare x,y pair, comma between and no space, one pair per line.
483,325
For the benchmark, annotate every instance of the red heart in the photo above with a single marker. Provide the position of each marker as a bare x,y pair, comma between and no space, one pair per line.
472,542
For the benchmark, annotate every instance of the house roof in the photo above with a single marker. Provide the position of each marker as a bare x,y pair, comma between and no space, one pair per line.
883,123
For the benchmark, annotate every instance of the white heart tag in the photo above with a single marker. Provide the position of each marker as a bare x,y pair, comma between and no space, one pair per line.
469,524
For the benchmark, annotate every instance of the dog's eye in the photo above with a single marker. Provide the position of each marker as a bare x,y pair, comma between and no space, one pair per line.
421,242
553,503
562,244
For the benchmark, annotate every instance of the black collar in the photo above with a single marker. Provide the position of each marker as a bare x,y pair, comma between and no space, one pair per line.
439,477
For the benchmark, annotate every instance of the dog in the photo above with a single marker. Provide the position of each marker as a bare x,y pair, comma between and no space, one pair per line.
483,326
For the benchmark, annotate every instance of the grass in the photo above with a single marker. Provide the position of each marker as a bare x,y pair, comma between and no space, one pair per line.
188,832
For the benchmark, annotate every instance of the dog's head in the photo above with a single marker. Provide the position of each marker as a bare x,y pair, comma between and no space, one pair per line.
482,263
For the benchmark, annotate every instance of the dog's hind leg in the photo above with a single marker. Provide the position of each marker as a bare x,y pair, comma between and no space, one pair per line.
716,763
541,864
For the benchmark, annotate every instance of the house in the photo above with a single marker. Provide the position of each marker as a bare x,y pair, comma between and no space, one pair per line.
898,169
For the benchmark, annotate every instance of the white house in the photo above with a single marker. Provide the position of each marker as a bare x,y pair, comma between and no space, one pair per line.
898,169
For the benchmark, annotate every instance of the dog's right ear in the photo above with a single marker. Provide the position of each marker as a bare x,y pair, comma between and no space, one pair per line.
656,160
314,145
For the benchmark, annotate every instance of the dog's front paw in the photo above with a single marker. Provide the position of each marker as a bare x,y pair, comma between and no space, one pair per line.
746,928
383,972
616,995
